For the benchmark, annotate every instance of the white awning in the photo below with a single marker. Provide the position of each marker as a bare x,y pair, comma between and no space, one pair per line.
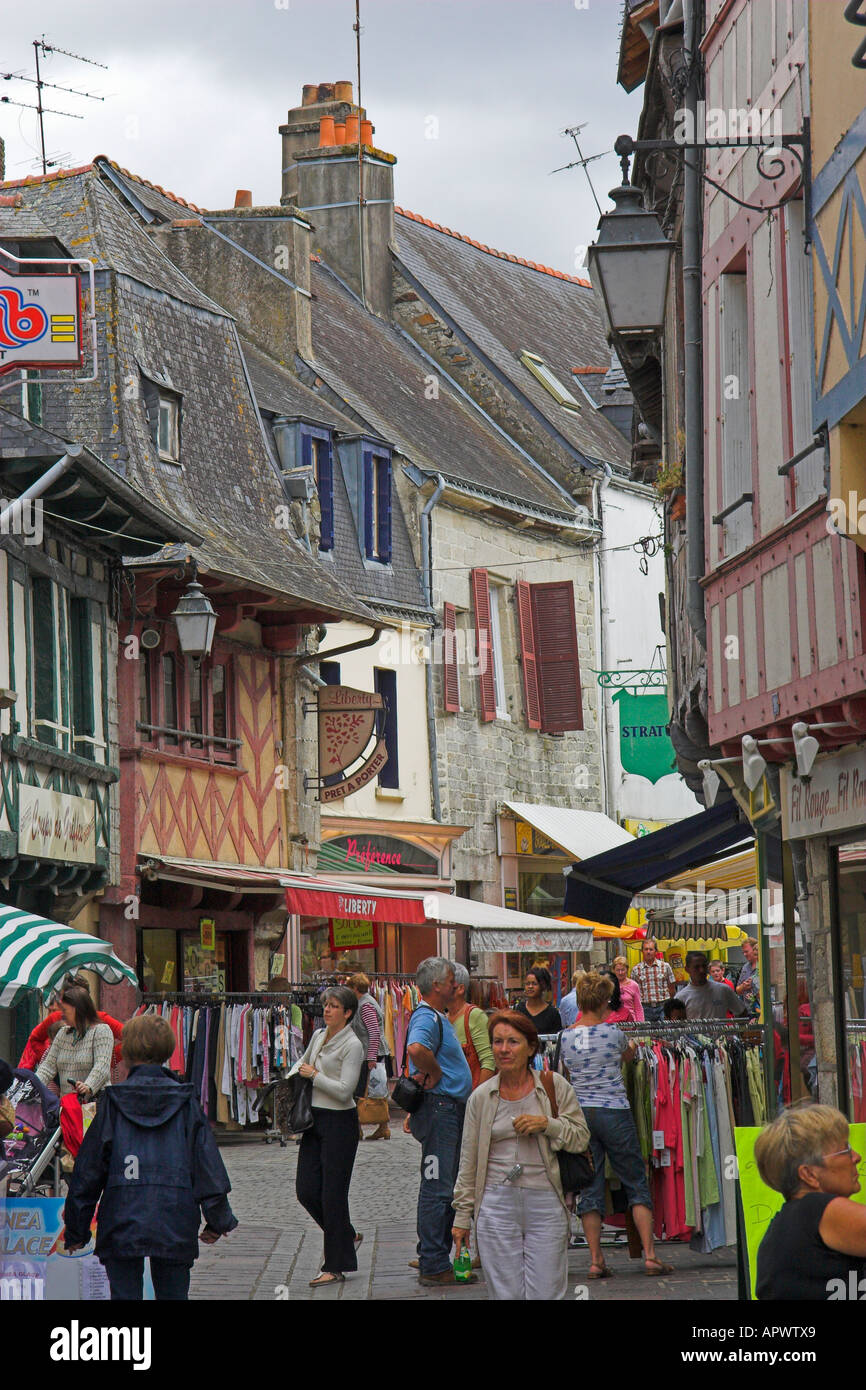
581,834
503,929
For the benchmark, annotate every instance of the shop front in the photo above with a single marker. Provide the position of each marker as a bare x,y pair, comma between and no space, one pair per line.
377,854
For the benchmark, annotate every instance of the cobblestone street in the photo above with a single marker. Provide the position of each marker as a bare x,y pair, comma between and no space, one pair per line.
277,1249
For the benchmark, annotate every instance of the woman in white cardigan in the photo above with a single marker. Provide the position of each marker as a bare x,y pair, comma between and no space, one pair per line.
509,1172
333,1062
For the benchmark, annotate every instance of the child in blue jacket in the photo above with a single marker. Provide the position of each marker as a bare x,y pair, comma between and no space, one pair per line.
150,1161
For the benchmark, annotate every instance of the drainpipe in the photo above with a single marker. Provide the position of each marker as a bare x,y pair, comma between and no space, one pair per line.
603,739
427,571
63,465
693,321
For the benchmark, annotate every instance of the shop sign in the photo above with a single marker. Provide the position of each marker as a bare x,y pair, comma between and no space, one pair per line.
375,854
510,899
347,934
644,745
643,827
54,825
40,321
531,841
347,720
832,798
34,1262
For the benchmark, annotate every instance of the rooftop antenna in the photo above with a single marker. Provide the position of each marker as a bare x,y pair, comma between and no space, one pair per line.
581,162
39,45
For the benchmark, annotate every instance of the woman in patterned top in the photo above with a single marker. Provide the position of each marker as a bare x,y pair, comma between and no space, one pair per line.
593,1054
79,1058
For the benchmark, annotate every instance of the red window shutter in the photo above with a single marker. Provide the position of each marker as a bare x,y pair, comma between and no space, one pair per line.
486,684
556,657
449,658
527,654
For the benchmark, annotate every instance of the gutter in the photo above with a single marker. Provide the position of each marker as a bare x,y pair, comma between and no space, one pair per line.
57,470
693,348
427,573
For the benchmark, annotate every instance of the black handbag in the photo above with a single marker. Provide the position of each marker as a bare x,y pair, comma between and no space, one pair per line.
301,1104
408,1092
575,1170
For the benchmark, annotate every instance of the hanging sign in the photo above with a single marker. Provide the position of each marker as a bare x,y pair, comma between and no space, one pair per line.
831,798
347,721
40,321
645,747
347,934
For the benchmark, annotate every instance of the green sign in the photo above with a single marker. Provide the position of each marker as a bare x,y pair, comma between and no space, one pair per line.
645,747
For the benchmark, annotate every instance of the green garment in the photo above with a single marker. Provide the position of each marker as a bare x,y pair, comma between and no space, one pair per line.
755,1077
480,1037
708,1183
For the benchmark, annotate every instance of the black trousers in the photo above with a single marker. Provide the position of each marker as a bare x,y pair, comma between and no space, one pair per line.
325,1162
126,1277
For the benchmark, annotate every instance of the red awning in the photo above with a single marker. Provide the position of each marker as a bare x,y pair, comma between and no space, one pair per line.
322,898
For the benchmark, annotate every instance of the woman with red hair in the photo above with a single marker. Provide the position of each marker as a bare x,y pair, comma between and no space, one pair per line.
509,1178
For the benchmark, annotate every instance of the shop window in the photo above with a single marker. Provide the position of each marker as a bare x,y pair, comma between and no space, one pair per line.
541,894
385,684
159,961
549,656
851,896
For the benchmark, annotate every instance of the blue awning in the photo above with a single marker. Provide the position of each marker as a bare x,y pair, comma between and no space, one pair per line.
602,888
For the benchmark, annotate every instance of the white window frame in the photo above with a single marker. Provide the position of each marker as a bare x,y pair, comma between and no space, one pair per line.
494,591
543,374
168,409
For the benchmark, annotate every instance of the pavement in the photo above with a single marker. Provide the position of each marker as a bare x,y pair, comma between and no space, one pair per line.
277,1248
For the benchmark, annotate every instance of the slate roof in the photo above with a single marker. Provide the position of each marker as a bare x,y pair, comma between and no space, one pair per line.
504,307
154,321
277,391
380,373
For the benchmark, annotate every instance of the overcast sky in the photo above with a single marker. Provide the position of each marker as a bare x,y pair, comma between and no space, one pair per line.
195,91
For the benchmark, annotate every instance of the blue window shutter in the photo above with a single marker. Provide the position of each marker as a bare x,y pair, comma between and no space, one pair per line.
306,451
383,484
369,538
326,494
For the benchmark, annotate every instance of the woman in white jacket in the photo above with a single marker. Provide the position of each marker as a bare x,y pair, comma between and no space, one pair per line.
509,1172
333,1062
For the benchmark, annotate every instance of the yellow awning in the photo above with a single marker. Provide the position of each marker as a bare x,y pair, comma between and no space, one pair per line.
602,932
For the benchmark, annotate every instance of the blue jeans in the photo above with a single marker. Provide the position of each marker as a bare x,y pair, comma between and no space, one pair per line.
612,1134
126,1277
438,1127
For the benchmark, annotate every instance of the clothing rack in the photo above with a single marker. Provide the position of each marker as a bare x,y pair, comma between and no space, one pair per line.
718,1026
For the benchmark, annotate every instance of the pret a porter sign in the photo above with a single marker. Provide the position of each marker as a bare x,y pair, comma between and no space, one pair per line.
347,722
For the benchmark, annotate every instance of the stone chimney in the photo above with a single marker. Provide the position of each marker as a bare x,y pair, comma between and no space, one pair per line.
324,178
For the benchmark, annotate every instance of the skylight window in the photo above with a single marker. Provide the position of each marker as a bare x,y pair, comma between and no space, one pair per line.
549,381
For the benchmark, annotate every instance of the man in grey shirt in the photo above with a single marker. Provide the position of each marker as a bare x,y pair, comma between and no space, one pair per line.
704,998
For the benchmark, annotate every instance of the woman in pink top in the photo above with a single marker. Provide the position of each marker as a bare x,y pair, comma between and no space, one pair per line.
629,993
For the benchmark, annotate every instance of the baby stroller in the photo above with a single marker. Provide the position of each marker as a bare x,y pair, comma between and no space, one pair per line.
32,1150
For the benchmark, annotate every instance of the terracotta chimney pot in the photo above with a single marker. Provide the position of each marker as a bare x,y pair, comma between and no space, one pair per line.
366,132
310,93
339,132
327,137
326,91
243,198
343,92
352,130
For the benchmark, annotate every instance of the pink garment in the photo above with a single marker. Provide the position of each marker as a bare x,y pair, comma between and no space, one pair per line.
630,995
177,1061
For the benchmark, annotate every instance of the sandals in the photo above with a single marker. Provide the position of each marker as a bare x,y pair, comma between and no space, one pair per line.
358,1239
661,1269
602,1272
326,1278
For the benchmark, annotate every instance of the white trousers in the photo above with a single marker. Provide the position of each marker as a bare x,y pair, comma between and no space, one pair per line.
522,1236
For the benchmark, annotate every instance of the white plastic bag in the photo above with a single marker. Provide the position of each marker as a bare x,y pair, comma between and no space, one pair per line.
378,1086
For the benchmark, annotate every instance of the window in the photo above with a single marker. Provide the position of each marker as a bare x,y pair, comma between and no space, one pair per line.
540,370
549,656
808,475
377,506
81,674
45,660
488,638
385,684
330,672
194,700
31,398
168,428
317,455
736,414
66,670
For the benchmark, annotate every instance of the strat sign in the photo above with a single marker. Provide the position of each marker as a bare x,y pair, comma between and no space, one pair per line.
40,321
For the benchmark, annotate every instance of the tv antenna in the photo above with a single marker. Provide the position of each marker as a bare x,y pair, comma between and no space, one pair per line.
40,46
581,161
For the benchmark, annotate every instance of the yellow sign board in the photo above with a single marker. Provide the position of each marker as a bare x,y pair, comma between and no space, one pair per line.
349,932
643,827
531,841
760,1203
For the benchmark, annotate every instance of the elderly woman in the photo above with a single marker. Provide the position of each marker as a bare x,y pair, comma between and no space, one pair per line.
509,1174
629,992
333,1061
593,1053
79,1058
817,1241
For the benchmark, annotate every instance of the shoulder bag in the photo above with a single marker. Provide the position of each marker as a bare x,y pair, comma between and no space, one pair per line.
408,1092
576,1170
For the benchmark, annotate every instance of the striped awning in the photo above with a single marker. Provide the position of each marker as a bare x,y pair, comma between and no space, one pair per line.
36,953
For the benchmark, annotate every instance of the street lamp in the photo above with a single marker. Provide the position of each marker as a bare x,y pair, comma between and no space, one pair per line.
629,266
195,620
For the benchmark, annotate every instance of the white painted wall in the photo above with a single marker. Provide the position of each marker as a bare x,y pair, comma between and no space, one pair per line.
631,631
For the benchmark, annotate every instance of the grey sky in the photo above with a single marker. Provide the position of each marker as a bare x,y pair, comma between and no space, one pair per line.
197,91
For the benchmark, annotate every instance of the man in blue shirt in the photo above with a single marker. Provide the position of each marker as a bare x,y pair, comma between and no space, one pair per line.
437,1061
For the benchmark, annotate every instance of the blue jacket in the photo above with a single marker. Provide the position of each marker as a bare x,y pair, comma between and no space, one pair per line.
150,1155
